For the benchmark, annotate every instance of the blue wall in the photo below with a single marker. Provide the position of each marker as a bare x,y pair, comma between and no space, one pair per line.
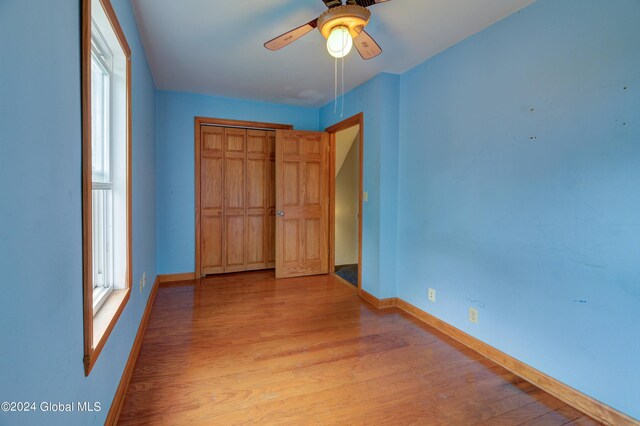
175,159
519,182
503,172
378,99
41,328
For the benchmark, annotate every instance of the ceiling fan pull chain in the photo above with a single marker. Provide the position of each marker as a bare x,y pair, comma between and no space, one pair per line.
342,96
335,86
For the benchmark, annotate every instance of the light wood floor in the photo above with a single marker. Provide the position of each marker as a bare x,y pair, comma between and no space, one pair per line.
249,349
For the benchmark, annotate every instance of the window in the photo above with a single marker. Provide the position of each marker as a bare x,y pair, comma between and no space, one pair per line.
106,62
102,186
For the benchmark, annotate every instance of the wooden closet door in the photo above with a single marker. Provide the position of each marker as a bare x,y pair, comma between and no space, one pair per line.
256,199
271,201
234,199
211,199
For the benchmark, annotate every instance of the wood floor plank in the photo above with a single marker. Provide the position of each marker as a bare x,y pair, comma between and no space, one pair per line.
558,417
247,348
582,421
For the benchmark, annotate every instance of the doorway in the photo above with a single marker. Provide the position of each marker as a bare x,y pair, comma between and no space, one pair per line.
346,200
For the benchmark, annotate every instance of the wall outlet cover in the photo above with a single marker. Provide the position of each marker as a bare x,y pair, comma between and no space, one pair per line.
432,295
473,315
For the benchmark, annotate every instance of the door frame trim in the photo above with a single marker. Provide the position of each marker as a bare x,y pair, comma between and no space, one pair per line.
219,122
355,120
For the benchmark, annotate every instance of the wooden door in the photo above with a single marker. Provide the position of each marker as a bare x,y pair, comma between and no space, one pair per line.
257,199
234,199
302,199
271,202
235,195
211,200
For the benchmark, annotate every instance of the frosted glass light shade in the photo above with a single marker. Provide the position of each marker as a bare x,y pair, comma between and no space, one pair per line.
339,42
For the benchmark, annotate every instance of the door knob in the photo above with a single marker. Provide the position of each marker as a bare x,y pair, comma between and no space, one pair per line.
280,212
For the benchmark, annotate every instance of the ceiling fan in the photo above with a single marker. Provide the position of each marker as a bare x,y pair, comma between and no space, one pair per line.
342,26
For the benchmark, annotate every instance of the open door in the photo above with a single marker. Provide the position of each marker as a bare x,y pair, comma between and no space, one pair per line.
302,203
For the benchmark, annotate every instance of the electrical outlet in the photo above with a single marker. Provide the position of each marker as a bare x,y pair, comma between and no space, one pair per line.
473,315
432,295
365,196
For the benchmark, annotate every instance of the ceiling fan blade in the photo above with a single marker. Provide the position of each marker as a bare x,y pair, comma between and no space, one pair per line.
291,36
366,3
332,3
366,46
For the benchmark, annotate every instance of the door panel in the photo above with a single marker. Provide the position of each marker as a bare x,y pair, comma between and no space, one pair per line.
257,236
235,141
256,230
211,200
310,147
291,253
302,196
257,142
290,146
235,253
234,198
234,179
212,244
312,178
312,235
256,171
212,140
271,242
291,175
271,200
212,183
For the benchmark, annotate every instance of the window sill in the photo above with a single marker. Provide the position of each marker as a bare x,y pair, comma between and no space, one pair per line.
103,322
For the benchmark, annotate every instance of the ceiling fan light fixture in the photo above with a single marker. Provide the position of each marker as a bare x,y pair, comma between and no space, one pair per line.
351,17
339,42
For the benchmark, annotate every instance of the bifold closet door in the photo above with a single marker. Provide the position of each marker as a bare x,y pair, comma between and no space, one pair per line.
235,141
271,201
237,198
211,200
257,199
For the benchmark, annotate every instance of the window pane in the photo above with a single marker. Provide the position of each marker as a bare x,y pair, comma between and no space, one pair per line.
102,238
99,121
102,194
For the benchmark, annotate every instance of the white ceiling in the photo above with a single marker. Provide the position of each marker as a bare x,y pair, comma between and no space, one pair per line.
216,47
